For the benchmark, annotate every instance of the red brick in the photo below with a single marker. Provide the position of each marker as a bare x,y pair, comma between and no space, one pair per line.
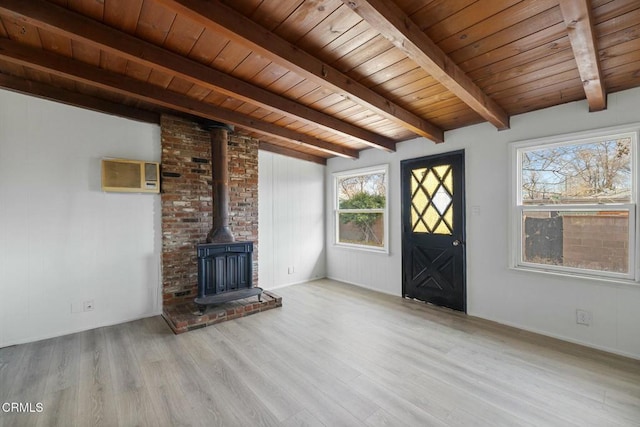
183,140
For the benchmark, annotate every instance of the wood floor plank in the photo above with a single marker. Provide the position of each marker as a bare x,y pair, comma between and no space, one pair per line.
450,372
334,354
65,403
400,409
123,363
96,397
277,400
168,399
64,361
567,401
303,419
10,358
429,385
33,378
321,405
135,408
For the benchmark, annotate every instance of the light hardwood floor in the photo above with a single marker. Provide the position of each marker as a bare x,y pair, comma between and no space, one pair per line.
333,355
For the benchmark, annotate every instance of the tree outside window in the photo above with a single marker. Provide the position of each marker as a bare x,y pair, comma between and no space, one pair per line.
597,172
361,208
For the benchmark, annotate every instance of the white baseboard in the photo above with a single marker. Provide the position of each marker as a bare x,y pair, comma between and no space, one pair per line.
515,325
360,285
76,330
561,337
299,282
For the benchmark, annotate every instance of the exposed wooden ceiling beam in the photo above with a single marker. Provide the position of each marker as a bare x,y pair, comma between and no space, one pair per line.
65,67
387,18
273,148
235,26
76,99
579,22
62,21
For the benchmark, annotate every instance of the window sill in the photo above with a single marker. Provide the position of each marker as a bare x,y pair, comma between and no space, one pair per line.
577,276
362,248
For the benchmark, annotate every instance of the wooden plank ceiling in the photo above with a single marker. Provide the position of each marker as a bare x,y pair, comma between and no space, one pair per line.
321,78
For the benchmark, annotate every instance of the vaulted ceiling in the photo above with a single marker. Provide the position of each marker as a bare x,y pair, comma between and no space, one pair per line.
320,78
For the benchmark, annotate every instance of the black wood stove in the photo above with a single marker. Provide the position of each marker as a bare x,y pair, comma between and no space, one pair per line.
225,273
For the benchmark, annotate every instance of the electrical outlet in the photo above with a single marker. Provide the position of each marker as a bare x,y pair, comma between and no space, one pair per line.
290,270
583,317
88,305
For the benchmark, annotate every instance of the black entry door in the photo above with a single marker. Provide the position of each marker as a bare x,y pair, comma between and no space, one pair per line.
433,236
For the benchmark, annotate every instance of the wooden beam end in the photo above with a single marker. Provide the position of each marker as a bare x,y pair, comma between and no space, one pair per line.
598,106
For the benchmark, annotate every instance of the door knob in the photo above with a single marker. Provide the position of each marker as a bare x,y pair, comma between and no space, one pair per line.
456,242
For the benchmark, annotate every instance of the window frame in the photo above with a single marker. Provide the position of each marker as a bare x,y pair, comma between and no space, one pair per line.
337,176
517,208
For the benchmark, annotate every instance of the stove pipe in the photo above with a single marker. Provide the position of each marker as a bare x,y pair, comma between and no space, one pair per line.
220,233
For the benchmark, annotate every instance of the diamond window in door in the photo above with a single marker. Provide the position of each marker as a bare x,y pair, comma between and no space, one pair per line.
432,200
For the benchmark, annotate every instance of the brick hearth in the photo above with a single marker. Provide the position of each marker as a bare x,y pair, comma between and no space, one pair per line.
186,317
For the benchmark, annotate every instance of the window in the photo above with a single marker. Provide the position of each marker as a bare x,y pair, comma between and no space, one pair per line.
361,208
575,205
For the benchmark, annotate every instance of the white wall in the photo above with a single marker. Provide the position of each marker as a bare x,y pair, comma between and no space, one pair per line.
532,301
291,220
62,240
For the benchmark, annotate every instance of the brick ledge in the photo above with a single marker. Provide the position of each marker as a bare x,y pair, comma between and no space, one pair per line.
186,317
